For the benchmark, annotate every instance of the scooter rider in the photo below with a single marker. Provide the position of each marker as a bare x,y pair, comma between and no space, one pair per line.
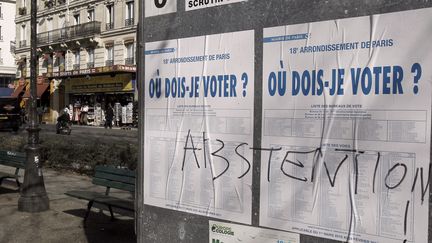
63,119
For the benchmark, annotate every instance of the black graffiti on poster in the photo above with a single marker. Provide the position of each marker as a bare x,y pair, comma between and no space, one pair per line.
399,170
189,147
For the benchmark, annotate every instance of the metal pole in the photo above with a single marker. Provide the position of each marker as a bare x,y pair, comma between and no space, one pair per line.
139,217
33,196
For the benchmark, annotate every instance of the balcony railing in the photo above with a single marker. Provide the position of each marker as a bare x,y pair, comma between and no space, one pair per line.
109,63
22,11
109,26
129,61
22,43
76,67
90,65
129,22
69,33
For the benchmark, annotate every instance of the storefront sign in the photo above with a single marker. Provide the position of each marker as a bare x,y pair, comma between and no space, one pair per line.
348,151
220,232
200,4
105,69
106,83
199,125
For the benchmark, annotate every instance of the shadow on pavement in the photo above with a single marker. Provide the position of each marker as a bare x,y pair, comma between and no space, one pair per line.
100,229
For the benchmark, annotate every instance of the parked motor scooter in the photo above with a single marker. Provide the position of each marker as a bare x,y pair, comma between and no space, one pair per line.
64,125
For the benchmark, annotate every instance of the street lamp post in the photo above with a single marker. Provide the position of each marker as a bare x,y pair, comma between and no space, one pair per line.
33,196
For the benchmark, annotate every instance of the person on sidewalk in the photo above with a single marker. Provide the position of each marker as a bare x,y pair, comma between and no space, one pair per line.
109,115
84,111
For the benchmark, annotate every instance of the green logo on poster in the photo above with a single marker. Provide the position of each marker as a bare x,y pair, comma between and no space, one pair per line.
216,241
222,229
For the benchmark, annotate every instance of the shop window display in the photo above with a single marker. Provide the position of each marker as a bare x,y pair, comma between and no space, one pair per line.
90,109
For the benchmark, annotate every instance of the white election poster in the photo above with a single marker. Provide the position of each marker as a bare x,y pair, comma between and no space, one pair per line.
199,125
346,128
233,233
200,4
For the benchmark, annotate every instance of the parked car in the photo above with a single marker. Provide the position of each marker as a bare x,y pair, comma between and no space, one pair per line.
10,114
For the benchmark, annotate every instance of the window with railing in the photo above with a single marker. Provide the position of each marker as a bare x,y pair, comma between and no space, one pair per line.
47,60
110,17
90,58
129,21
109,56
77,57
90,15
59,60
77,19
130,54
23,33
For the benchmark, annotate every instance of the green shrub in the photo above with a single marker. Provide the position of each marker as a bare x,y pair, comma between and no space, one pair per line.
79,154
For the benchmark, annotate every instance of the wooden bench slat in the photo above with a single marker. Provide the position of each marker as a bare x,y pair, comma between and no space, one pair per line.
6,175
15,164
13,159
12,153
114,177
114,184
116,171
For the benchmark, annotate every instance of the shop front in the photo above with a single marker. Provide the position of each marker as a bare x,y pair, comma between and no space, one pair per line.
43,97
88,98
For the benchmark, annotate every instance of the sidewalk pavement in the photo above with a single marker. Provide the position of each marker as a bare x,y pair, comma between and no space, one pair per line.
63,222
93,130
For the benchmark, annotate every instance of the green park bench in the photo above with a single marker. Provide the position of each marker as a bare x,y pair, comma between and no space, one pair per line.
12,159
110,177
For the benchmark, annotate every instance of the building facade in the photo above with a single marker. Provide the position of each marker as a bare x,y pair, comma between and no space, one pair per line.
7,47
86,53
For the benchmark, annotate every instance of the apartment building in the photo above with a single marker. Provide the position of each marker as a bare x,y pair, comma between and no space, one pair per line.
86,53
7,47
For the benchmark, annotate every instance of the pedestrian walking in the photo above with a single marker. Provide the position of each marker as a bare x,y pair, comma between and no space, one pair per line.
109,115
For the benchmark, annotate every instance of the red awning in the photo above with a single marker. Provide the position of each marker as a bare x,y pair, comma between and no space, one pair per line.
40,90
18,91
